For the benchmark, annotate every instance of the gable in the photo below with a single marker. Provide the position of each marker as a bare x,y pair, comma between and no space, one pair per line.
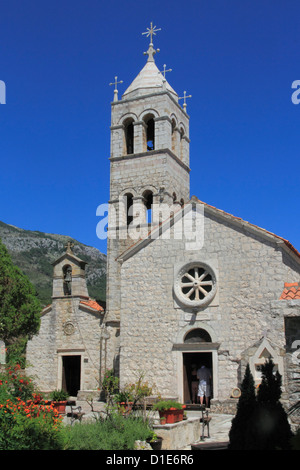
234,223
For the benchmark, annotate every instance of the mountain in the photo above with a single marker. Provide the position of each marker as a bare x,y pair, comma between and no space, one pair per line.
33,252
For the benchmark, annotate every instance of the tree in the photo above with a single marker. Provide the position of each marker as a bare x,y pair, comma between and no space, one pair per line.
19,307
261,422
271,422
240,435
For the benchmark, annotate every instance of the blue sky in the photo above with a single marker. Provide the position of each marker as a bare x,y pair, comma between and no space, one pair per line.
238,60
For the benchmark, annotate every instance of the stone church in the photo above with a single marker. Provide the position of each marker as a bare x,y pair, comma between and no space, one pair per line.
187,283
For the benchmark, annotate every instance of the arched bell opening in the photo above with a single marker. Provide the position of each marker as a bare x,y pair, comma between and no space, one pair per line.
148,201
129,208
173,137
129,136
149,132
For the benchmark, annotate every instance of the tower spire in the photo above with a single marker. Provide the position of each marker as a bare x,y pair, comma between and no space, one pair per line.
151,32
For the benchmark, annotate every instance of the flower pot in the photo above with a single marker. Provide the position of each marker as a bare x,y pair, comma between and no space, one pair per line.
156,444
60,406
171,416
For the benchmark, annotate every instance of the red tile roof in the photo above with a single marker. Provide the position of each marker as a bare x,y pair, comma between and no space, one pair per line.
93,304
291,291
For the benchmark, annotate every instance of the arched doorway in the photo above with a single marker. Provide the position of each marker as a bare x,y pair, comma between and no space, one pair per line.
194,360
195,346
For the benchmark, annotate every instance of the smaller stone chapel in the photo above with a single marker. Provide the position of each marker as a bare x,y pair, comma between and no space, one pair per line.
65,353
232,300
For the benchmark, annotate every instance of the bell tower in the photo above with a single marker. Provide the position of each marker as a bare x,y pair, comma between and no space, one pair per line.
149,161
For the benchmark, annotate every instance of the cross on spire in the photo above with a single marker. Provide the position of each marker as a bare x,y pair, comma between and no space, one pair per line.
184,97
151,32
116,90
164,71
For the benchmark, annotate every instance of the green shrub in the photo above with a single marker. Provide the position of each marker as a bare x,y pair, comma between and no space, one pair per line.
59,395
26,424
114,433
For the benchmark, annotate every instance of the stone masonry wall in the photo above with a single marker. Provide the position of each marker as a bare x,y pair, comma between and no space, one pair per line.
65,329
250,276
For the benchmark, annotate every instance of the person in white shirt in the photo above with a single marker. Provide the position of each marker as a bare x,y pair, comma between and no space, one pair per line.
204,376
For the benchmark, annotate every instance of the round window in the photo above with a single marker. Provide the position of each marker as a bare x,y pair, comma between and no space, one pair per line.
195,284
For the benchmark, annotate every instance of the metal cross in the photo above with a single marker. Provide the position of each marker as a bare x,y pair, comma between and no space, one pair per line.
184,97
151,31
164,71
116,90
116,82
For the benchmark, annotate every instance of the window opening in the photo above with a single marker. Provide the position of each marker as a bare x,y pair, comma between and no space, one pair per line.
150,134
181,143
173,138
195,284
67,273
129,137
129,209
148,201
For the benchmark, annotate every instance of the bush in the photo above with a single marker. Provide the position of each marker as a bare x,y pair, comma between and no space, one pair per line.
59,395
25,422
14,384
114,433
29,427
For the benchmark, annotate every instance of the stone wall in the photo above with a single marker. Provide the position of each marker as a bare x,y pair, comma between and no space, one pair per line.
66,329
250,275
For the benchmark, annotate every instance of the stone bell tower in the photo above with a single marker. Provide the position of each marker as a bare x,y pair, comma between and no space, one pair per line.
149,164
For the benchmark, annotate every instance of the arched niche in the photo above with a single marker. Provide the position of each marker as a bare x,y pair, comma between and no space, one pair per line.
67,278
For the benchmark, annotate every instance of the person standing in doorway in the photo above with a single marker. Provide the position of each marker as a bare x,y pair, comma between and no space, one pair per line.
204,377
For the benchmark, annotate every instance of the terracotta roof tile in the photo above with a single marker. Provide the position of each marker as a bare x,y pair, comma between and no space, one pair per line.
291,291
93,304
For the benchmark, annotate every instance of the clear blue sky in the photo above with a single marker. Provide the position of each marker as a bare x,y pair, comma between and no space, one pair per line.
237,58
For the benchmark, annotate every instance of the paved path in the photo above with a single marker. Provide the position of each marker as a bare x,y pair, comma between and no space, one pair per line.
219,428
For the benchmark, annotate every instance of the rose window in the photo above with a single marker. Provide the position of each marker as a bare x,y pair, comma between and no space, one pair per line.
195,284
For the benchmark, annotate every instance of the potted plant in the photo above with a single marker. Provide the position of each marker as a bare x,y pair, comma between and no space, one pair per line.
163,420
170,409
59,400
155,441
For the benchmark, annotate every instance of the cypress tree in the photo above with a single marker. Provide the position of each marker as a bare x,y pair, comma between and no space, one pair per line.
240,435
272,428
